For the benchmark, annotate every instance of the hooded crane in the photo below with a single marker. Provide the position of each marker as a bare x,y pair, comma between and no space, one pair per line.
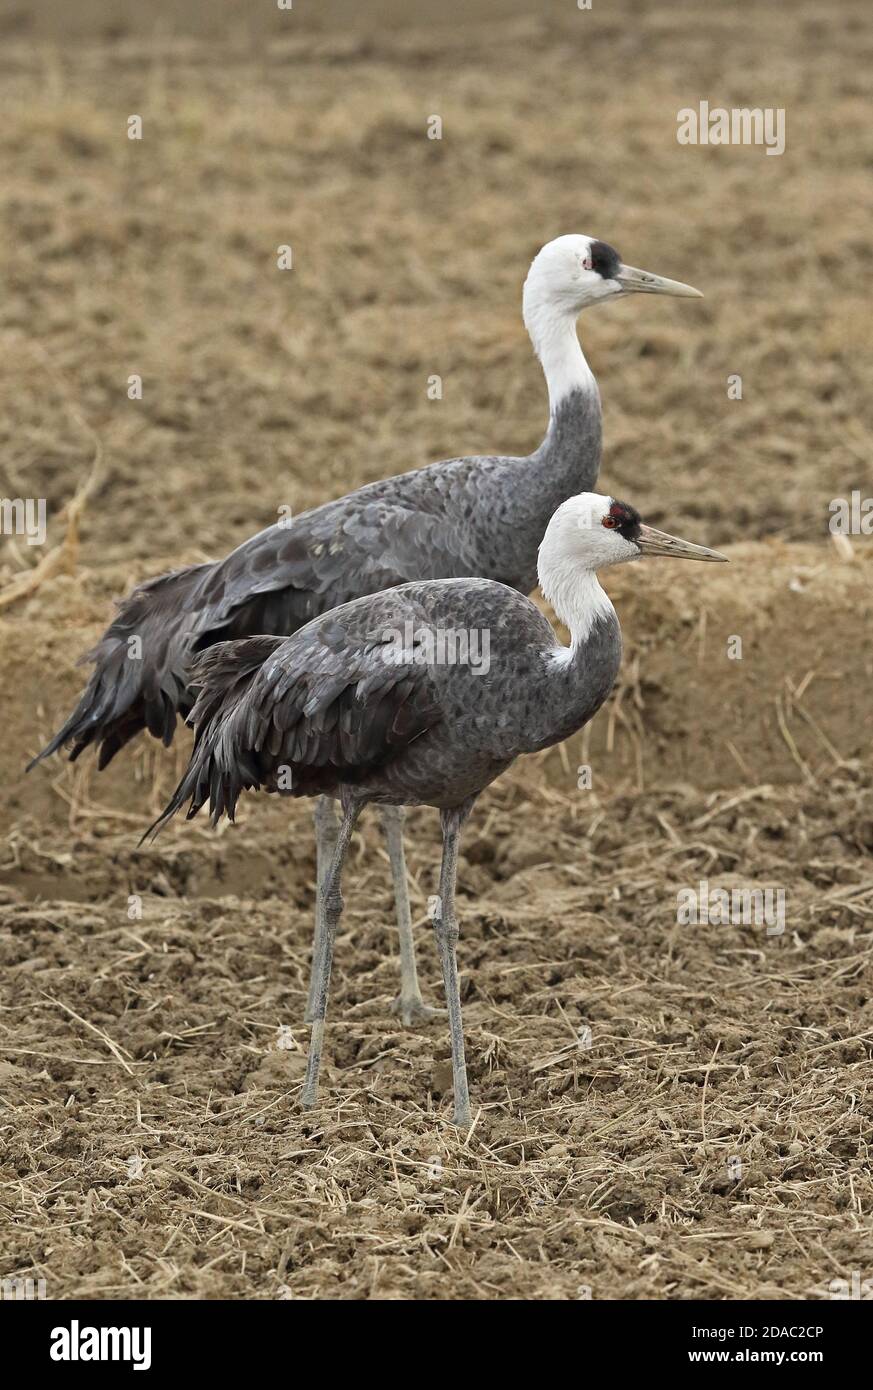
356,706
481,516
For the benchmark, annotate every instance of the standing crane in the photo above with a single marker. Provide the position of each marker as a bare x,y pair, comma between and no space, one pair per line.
482,516
355,715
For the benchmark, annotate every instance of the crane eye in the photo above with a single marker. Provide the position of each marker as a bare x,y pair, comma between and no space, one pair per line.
610,522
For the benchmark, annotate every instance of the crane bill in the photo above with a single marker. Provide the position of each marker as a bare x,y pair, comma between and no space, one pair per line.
635,281
652,542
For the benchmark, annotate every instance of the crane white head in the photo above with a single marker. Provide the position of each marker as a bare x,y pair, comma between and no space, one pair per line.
592,531
574,271
589,533
566,276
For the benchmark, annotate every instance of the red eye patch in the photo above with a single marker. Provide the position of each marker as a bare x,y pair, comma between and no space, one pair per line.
624,518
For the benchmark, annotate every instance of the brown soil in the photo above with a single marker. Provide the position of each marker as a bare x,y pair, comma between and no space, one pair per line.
150,1140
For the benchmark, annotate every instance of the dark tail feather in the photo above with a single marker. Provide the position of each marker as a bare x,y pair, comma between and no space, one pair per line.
136,686
219,770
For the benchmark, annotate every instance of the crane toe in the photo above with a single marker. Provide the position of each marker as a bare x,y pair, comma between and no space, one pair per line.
413,1012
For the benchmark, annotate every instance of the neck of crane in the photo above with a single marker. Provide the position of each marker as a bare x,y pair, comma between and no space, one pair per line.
576,596
556,343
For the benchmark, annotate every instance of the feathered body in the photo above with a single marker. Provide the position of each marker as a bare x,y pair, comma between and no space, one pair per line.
341,705
370,703
481,516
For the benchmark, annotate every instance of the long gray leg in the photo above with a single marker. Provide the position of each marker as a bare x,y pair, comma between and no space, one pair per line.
409,1003
446,929
331,897
326,827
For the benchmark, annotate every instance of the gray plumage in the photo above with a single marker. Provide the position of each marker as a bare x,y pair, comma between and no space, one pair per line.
338,708
361,704
380,701
482,516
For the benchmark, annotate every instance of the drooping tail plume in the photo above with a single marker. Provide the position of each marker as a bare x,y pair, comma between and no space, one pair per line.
220,767
139,679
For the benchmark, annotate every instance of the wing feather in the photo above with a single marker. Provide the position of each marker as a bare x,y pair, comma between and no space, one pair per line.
325,703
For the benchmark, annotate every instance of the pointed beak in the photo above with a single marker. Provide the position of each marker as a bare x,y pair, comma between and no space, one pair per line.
635,281
652,542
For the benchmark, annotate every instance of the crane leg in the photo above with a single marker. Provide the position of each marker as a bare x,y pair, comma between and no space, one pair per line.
330,894
409,1003
326,827
446,930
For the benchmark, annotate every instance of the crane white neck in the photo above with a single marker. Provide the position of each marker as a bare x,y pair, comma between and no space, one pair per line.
556,343
575,594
